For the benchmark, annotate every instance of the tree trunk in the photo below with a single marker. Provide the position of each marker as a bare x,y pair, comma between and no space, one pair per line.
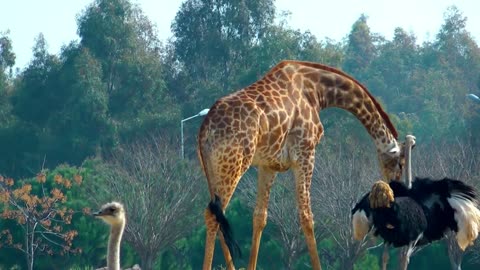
147,261
347,262
29,249
289,262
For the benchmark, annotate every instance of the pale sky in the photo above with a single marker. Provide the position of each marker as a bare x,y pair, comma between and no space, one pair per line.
56,19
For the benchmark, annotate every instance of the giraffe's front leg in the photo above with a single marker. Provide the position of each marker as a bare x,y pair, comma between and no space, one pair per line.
306,219
264,184
303,176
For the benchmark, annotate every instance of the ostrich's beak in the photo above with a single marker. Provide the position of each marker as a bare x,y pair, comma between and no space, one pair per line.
98,214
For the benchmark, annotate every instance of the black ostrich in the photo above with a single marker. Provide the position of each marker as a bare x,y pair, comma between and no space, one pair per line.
419,215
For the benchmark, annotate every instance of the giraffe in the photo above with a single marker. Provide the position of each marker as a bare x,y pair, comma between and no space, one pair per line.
274,124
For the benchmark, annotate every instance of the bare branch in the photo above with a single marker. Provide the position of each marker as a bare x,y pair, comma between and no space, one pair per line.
159,191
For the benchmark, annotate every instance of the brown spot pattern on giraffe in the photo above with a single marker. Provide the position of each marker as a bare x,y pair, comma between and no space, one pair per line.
274,123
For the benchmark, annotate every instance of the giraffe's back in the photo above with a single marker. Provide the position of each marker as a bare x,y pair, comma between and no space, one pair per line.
264,128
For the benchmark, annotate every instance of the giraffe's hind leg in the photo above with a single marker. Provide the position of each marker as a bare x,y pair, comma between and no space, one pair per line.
212,228
214,222
226,253
224,171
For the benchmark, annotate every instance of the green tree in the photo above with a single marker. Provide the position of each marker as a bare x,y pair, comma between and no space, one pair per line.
107,29
34,100
361,50
92,238
448,71
458,55
393,70
457,50
124,42
83,115
7,61
213,42
281,42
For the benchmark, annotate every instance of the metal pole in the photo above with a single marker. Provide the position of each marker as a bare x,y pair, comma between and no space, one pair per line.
473,97
182,154
201,113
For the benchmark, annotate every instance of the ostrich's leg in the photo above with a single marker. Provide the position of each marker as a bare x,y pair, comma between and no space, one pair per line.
404,257
406,252
455,253
385,256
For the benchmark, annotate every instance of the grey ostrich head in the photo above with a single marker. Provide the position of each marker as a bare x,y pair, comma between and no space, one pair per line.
113,213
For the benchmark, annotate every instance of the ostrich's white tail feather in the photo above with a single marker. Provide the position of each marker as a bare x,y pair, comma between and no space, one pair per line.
361,225
467,216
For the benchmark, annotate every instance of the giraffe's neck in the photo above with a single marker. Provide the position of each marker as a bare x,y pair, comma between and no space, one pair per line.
333,88
363,108
113,260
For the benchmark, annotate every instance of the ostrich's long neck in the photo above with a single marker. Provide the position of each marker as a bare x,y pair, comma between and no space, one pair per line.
409,142
113,260
408,166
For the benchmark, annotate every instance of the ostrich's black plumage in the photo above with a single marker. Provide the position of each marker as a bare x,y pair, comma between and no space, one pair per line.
425,213
400,224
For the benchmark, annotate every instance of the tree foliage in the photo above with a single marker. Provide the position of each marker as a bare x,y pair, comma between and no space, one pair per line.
214,43
94,104
124,41
7,61
41,216
361,50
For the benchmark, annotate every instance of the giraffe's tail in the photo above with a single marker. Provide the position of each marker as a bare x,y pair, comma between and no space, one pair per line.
215,207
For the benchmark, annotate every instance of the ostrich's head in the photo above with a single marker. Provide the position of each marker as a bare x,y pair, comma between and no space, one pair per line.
112,213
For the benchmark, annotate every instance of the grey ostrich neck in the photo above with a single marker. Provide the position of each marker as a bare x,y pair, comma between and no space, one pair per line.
116,232
409,143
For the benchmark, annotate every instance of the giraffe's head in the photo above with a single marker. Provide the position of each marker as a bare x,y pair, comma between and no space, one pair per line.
392,161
